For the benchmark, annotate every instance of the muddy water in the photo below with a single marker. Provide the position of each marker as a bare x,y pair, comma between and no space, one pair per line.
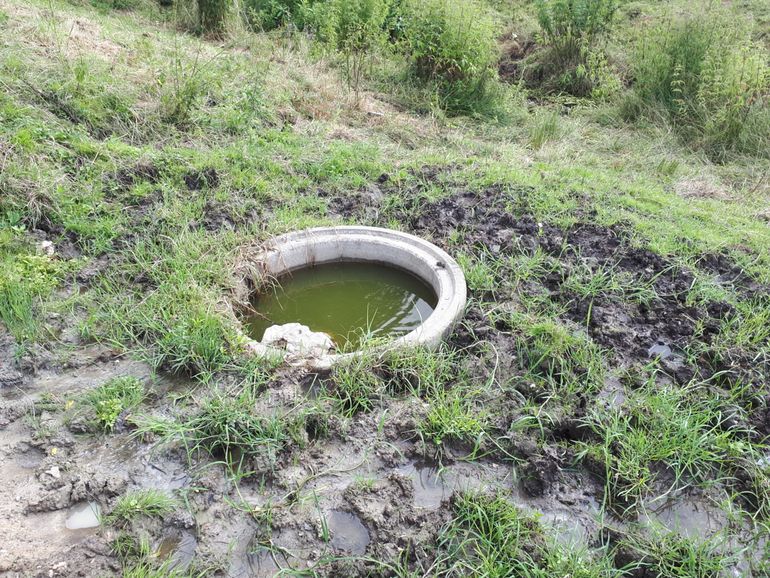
348,534
432,485
83,516
179,549
345,300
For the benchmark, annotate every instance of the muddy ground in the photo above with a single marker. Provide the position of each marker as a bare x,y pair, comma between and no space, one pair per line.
372,486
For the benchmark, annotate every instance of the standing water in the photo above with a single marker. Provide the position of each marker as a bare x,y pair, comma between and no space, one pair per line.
83,515
349,301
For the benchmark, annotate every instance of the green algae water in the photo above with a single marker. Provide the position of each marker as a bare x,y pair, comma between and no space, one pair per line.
350,301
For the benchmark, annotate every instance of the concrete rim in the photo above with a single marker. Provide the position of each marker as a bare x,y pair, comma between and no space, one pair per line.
316,246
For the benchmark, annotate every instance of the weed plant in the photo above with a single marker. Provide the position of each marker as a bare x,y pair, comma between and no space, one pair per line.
355,28
452,45
228,429
709,79
114,397
271,14
571,30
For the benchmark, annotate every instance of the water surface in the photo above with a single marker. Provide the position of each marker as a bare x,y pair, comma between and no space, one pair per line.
349,301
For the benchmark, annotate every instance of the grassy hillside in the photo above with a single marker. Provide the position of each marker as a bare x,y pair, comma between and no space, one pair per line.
603,195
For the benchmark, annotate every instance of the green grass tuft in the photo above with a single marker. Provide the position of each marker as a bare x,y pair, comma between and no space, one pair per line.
112,398
149,503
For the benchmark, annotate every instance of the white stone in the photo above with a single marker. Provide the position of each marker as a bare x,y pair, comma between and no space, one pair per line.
47,247
298,340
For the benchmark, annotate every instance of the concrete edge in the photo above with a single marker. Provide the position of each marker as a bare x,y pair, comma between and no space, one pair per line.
423,259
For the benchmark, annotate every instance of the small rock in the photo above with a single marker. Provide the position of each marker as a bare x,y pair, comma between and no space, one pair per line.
54,472
47,248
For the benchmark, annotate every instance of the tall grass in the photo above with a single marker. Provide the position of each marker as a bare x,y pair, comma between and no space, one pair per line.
16,310
569,25
713,83
355,28
212,15
452,44
570,30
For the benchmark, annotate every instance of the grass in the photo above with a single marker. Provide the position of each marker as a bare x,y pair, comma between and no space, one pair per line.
453,417
667,554
147,503
112,398
138,560
489,537
680,428
227,429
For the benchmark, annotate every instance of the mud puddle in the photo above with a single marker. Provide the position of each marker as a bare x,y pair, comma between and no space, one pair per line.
689,515
83,516
348,534
178,549
255,565
434,484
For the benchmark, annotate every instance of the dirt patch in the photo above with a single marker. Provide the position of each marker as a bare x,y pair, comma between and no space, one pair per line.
198,180
125,178
514,54
702,189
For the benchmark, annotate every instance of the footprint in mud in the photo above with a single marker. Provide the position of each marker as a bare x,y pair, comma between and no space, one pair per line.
83,516
260,565
178,548
348,534
659,349
430,487
433,485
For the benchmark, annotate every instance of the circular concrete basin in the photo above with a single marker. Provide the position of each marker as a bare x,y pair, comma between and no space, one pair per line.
323,245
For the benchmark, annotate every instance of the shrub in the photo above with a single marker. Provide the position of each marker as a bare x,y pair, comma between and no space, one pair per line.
271,14
452,43
571,29
212,14
710,80
353,27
